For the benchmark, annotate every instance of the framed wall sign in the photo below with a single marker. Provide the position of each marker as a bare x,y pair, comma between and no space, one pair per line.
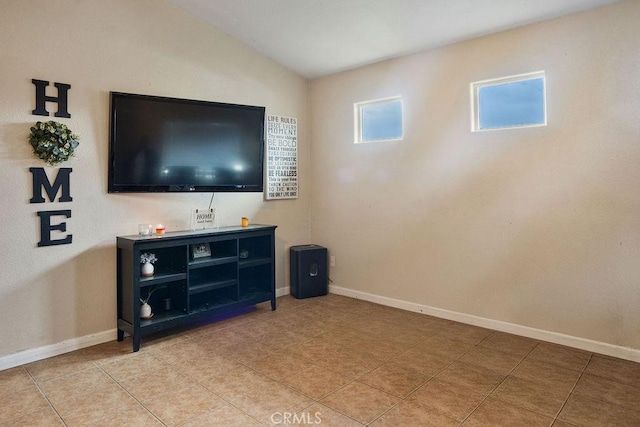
282,158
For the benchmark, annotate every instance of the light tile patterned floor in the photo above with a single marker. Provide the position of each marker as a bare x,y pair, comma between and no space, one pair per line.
330,361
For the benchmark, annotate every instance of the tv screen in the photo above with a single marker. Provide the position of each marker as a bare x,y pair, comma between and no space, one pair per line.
168,144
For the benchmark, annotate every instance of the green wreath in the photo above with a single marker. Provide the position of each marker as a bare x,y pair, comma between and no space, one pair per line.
53,142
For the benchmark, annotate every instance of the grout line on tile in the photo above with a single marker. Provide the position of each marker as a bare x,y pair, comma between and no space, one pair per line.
499,384
572,389
132,396
44,395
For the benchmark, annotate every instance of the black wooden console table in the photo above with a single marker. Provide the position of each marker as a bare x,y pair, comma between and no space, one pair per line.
198,274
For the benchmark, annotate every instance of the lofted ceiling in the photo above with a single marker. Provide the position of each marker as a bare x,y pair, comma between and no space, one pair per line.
320,37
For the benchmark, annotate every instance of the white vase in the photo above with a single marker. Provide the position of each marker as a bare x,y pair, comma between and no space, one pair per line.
147,269
145,311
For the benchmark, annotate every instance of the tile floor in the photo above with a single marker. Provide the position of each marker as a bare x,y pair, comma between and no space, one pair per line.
331,361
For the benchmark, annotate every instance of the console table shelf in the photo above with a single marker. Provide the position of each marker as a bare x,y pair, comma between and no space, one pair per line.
209,286
254,262
213,261
158,279
199,274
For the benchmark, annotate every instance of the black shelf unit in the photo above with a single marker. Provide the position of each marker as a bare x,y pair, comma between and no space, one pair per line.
236,270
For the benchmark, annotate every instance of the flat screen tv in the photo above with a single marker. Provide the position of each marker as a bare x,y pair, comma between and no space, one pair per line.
160,144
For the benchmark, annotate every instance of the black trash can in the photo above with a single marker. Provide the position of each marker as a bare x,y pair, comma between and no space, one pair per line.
308,271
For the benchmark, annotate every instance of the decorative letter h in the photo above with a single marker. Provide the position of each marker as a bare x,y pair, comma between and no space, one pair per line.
42,98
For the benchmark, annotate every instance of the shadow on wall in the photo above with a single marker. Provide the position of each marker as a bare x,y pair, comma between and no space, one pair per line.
506,224
95,293
282,260
15,140
75,298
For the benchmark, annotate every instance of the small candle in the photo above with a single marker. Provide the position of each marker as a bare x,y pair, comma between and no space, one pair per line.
159,229
144,229
245,221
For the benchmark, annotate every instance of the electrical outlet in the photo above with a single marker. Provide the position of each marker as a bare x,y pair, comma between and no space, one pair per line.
332,261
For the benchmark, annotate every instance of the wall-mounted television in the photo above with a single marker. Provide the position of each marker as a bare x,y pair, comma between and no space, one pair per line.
160,144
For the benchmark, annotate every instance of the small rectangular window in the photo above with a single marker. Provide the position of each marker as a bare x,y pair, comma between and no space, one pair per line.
379,120
509,102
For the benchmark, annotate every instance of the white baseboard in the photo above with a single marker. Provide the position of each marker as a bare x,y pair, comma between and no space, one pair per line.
626,353
35,354
282,291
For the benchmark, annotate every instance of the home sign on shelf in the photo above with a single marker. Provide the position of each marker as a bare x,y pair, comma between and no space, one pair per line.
203,218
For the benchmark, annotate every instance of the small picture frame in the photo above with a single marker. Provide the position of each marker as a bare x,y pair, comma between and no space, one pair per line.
200,250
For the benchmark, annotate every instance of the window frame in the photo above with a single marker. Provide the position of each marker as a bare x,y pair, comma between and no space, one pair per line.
475,101
357,109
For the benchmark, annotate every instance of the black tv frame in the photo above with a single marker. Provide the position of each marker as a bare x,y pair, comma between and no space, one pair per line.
120,188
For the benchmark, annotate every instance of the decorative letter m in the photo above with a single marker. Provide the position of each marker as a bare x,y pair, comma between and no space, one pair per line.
41,181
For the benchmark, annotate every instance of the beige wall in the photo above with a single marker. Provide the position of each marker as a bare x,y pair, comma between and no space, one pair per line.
54,294
535,227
